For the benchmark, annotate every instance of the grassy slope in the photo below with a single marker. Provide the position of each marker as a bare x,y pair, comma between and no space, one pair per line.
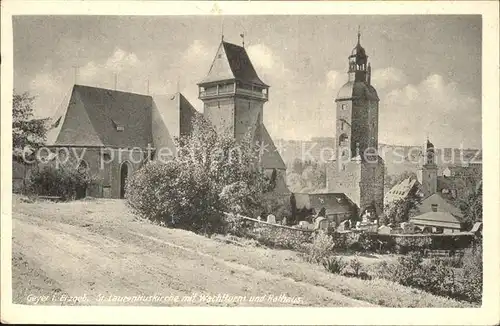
97,247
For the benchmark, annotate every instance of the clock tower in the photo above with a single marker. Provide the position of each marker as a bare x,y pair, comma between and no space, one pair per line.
357,170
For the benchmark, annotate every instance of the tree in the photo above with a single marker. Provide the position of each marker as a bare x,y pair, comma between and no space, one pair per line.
471,205
212,174
27,132
401,210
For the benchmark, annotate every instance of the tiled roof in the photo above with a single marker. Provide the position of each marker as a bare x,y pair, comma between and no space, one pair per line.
334,203
443,205
102,117
232,62
436,219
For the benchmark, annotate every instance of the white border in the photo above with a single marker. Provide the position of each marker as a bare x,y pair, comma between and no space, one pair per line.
488,314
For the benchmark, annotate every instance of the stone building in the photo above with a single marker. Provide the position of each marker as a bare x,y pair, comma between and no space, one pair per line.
233,98
357,170
113,133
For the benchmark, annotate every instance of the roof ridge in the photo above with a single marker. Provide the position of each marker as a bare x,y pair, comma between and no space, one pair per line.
110,90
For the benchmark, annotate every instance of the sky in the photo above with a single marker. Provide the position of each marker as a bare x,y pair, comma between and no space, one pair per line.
426,69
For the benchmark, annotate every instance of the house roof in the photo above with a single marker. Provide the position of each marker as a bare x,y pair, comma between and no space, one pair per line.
436,219
102,117
334,203
443,205
400,190
232,62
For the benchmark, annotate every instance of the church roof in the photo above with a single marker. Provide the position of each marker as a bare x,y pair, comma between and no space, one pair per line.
359,89
102,117
176,112
271,158
232,62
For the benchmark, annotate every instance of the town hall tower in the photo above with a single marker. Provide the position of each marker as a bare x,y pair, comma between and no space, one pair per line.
357,170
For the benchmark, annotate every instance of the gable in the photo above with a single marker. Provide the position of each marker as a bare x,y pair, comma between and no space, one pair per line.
443,205
74,127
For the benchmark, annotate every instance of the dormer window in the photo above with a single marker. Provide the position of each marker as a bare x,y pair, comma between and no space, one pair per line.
118,126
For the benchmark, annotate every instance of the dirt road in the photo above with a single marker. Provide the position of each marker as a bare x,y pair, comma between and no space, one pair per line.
95,252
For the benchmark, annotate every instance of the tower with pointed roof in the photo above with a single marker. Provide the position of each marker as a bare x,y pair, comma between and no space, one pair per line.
233,98
427,174
357,170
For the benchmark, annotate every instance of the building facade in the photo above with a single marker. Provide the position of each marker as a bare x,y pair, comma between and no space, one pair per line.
357,170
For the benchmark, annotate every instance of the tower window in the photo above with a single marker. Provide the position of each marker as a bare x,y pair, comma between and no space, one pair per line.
342,125
344,106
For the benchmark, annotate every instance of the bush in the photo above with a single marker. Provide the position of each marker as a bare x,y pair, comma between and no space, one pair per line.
355,265
334,264
472,280
169,194
276,237
65,181
210,175
320,248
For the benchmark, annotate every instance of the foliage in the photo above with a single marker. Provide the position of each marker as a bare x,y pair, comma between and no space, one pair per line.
211,174
401,210
276,237
437,276
306,176
471,204
472,284
320,248
355,265
27,132
65,181
334,264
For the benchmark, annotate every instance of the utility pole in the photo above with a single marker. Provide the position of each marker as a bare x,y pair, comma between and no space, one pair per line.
147,90
116,79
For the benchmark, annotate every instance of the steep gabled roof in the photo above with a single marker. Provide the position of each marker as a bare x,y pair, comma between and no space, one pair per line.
271,158
176,112
232,62
443,205
102,117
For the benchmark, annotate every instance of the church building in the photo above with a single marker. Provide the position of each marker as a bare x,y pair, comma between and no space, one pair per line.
357,170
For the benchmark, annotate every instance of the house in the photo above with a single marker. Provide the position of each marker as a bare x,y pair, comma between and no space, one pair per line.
402,190
337,206
437,222
113,133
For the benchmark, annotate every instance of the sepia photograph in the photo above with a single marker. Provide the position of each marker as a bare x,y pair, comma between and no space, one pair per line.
247,160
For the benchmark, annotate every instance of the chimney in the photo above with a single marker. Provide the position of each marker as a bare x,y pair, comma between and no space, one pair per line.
434,207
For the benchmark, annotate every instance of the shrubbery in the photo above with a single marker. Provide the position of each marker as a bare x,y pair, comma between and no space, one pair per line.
438,276
210,175
320,248
65,181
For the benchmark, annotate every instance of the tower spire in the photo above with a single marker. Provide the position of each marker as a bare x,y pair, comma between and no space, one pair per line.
222,29
359,33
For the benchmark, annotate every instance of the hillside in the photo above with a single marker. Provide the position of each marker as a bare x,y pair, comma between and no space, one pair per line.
98,253
397,158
